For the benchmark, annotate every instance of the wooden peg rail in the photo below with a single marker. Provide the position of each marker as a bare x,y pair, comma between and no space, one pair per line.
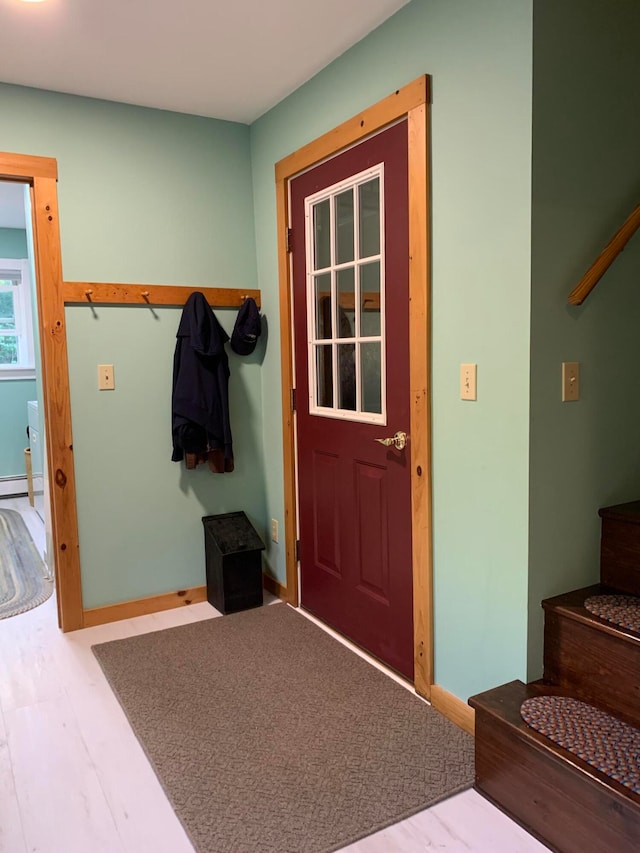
99,293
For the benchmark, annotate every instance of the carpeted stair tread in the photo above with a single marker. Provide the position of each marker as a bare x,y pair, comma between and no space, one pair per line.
504,702
572,605
622,610
570,805
574,600
603,741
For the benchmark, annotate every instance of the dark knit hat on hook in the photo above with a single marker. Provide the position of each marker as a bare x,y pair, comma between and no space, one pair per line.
247,328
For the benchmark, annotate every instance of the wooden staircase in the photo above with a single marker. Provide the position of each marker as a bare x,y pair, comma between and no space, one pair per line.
569,805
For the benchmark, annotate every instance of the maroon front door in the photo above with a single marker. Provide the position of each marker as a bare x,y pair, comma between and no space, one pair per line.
351,327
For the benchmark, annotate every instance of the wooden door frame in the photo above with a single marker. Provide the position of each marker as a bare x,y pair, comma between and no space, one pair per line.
411,101
41,174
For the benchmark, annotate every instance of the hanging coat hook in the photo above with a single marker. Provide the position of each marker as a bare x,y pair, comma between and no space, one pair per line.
88,293
145,295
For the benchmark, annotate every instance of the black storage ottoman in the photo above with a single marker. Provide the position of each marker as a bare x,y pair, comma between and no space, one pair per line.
233,562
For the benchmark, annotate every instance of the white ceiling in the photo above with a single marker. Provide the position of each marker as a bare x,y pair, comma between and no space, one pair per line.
231,60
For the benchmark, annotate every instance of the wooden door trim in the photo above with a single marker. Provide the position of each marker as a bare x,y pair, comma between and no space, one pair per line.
412,102
374,118
41,175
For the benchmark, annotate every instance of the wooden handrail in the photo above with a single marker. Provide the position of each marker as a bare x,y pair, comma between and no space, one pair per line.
605,258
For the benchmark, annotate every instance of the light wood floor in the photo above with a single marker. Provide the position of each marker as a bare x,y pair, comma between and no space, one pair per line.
73,778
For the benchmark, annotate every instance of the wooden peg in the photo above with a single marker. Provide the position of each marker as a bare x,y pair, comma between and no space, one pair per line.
145,295
88,293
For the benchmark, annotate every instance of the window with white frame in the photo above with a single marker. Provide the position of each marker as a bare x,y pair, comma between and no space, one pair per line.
16,321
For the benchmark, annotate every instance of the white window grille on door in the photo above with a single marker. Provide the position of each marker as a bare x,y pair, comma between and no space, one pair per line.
346,298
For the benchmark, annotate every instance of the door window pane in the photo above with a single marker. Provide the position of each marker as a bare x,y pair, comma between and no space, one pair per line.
347,377
346,285
322,235
371,366
324,374
344,227
324,324
369,214
370,299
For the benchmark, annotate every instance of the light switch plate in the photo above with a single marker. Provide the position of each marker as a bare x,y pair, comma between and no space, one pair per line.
570,381
106,378
468,381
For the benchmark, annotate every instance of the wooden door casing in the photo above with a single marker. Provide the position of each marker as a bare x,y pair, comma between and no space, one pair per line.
410,101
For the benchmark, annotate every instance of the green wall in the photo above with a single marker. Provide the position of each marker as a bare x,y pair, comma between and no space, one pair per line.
13,243
479,56
14,393
586,178
139,512
148,197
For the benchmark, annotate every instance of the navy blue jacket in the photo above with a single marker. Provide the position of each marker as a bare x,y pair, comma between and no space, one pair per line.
200,399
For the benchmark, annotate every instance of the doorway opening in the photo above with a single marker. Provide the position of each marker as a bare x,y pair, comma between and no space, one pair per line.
39,175
25,516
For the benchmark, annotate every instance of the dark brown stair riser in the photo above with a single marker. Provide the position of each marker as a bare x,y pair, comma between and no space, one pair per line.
620,555
567,810
596,666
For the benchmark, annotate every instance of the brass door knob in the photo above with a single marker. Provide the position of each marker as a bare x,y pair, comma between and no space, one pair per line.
399,441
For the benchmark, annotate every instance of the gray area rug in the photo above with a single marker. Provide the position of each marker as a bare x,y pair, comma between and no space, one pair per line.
23,584
269,735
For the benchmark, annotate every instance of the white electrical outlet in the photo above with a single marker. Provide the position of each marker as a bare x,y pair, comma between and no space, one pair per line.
570,381
468,381
274,530
106,378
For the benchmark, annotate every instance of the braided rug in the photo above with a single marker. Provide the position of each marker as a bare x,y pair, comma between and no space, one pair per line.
23,584
622,610
603,741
